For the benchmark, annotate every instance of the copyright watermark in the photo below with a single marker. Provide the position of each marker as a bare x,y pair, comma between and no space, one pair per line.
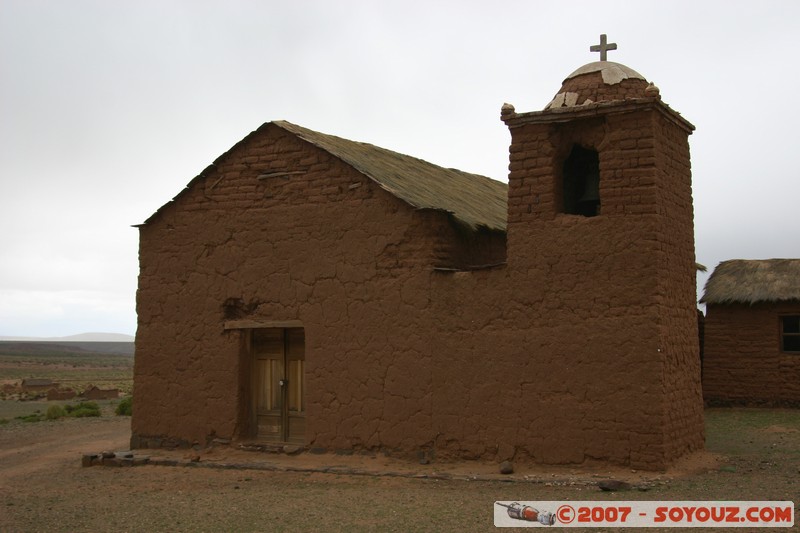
747,514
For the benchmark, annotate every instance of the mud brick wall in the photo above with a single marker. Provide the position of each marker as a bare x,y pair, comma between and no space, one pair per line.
742,361
585,346
326,247
676,291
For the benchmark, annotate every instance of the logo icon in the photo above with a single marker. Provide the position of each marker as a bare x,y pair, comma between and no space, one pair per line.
518,511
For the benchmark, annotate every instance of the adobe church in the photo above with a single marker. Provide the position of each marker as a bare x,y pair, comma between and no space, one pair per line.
313,290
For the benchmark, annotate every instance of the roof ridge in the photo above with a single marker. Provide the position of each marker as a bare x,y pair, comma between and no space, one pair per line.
474,200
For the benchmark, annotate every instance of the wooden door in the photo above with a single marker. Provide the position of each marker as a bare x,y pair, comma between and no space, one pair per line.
279,383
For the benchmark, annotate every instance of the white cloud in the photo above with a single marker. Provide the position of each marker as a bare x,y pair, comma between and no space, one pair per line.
109,110
61,313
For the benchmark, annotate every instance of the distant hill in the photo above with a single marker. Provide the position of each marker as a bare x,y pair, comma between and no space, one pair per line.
81,337
65,347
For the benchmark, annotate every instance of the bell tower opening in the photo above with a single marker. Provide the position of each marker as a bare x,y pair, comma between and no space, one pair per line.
581,173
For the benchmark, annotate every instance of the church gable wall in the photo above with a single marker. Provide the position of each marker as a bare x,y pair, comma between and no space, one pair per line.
282,231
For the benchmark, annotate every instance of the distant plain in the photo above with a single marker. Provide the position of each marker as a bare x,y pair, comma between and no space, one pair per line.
72,364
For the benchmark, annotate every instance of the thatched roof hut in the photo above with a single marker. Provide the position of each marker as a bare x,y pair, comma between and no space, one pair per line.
753,281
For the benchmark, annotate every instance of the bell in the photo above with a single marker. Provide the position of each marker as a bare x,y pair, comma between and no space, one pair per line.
591,189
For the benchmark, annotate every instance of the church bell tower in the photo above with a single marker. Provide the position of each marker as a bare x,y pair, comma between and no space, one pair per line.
600,225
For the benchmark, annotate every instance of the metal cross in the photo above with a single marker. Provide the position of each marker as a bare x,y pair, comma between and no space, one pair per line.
603,47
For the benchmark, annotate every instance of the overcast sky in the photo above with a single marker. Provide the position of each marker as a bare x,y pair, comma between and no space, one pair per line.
107,109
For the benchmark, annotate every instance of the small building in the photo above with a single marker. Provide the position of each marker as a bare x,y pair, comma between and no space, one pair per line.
752,333
96,393
37,385
58,393
315,290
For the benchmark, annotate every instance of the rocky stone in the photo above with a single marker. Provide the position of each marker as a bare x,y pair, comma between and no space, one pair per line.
613,485
505,451
423,457
291,449
506,467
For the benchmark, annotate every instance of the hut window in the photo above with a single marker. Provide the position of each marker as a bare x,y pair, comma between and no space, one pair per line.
790,334
582,182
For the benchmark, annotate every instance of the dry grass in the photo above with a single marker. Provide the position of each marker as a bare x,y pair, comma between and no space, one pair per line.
73,369
753,281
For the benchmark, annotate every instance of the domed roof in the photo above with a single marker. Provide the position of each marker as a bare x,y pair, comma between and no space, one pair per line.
611,72
602,81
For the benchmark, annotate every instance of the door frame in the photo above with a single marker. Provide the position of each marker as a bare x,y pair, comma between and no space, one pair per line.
288,419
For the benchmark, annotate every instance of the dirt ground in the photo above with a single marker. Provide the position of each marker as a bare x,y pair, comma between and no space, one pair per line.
752,454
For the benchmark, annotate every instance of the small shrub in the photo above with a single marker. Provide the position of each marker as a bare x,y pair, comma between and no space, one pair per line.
54,412
30,418
83,409
125,407
4,421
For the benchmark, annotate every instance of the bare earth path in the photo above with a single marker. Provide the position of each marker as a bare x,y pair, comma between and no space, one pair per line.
43,487
26,449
